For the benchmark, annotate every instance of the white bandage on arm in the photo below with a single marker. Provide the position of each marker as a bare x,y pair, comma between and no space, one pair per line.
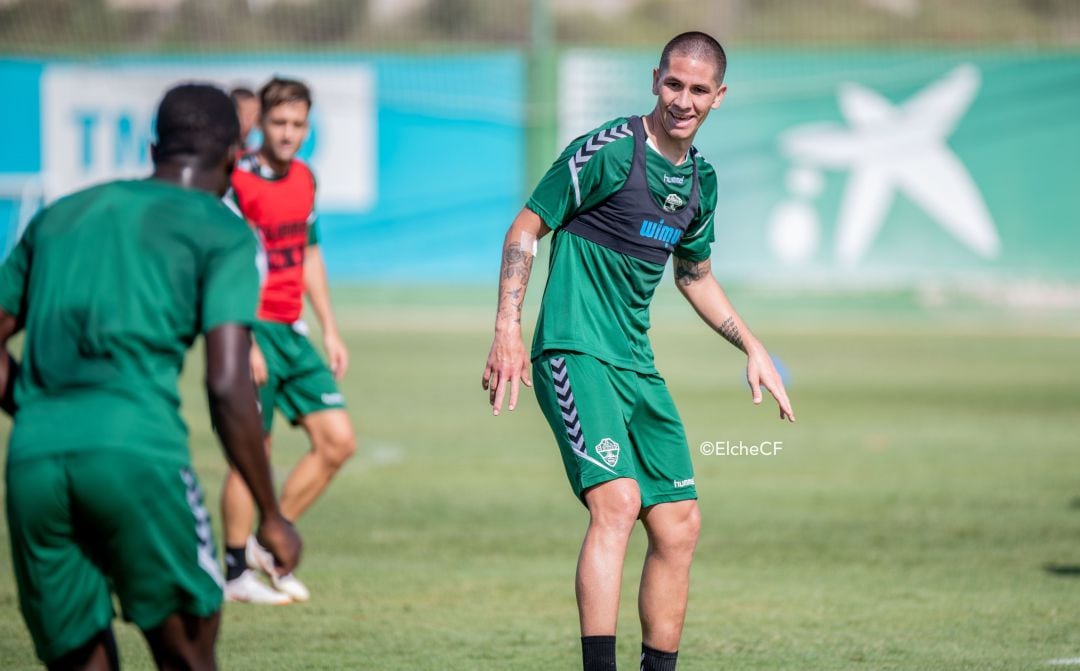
528,243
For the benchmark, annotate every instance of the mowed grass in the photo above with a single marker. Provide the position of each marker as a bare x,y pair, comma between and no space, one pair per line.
919,516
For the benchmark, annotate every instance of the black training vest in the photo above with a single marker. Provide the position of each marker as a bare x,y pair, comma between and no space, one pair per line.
629,221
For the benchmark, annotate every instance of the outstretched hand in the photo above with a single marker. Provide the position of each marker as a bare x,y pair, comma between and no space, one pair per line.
761,372
507,365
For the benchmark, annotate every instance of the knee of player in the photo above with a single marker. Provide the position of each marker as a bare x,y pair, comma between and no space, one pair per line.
337,448
616,512
686,531
678,536
693,523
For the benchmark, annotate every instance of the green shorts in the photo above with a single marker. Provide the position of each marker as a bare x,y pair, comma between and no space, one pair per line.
87,523
614,423
299,383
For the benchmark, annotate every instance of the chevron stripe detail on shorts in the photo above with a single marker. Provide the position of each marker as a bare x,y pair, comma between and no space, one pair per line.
589,149
565,396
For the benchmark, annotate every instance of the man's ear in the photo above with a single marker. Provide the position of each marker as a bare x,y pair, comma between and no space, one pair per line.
656,81
719,96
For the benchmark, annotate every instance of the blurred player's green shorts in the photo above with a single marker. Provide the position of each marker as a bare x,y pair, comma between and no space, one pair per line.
614,423
83,524
299,382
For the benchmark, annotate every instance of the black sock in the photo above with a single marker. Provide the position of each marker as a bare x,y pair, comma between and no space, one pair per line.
654,660
235,562
598,653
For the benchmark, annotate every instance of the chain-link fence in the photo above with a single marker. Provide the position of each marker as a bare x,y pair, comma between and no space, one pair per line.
119,26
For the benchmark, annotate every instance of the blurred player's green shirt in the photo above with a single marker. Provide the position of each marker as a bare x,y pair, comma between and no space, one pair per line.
597,299
113,285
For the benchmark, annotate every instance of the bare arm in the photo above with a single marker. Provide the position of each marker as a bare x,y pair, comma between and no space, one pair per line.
9,368
235,412
318,293
507,362
697,284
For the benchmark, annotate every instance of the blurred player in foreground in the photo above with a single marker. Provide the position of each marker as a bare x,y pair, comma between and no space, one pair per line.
621,200
113,284
276,193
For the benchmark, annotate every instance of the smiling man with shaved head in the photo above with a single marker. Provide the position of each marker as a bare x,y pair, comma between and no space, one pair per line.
621,199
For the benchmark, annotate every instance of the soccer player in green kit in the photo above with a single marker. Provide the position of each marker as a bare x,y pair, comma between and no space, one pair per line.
112,285
620,200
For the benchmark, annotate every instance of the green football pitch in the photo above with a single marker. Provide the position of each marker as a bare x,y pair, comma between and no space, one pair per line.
924,512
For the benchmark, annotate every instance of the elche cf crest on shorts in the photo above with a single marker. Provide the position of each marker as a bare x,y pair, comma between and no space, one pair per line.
608,450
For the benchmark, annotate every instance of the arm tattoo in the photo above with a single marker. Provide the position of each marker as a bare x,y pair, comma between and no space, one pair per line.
731,333
510,305
688,272
516,263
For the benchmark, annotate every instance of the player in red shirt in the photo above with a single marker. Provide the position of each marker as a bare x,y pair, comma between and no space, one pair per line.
275,192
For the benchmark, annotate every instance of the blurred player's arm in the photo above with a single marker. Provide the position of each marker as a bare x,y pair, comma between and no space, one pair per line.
318,293
9,368
14,277
235,412
508,362
700,288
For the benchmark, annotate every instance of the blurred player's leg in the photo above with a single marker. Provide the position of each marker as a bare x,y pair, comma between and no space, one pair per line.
99,654
242,584
237,510
185,642
332,443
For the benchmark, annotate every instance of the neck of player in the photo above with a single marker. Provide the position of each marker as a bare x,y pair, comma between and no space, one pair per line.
190,174
270,161
672,149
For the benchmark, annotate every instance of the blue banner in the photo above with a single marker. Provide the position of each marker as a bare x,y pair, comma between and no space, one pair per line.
419,159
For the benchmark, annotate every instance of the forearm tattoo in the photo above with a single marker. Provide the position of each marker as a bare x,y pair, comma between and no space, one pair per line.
731,333
688,272
516,263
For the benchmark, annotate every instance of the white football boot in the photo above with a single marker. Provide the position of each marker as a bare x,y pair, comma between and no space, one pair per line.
247,588
260,558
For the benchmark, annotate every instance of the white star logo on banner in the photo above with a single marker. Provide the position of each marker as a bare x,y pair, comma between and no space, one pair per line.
893,149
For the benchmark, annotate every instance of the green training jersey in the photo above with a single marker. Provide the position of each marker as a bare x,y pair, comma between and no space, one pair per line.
113,284
600,284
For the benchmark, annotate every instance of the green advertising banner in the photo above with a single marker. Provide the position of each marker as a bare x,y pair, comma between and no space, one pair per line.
875,168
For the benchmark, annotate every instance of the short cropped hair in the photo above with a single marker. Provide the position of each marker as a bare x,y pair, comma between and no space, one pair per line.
239,93
278,91
696,45
196,120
